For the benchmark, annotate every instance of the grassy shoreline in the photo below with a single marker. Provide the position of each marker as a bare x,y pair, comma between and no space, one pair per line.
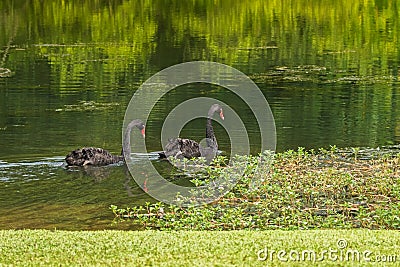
197,248
294,190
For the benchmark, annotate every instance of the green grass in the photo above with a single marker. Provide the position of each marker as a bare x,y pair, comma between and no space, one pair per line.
189,248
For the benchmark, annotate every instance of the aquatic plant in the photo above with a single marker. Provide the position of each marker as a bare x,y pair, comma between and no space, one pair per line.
299,190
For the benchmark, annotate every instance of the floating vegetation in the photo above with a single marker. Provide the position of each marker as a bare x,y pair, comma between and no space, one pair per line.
61,45
303,73
302,69
366,153
258,47
301,190
319,75
4,72
331,52
88,106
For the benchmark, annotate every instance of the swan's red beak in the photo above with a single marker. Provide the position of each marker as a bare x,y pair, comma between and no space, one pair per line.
143,132
221,114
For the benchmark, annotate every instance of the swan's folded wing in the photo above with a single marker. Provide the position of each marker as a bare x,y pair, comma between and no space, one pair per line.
98,156
75,158
172,148
178,147
189,148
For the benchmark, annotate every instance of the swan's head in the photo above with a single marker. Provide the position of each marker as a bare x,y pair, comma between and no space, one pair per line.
142,128
138,124
216,108
142,131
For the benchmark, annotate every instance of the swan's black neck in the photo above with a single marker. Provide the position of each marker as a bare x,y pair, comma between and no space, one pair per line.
126,145
210,136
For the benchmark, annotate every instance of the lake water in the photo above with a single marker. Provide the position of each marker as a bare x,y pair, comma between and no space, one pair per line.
330,72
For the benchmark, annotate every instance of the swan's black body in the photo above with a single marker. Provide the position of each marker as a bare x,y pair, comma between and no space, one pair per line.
179,148
91,156
100,157
187,148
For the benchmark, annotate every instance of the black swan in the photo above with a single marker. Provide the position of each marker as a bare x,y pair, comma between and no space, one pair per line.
100,157
187,148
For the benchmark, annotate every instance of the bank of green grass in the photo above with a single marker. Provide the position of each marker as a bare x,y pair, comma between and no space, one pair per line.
194,248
